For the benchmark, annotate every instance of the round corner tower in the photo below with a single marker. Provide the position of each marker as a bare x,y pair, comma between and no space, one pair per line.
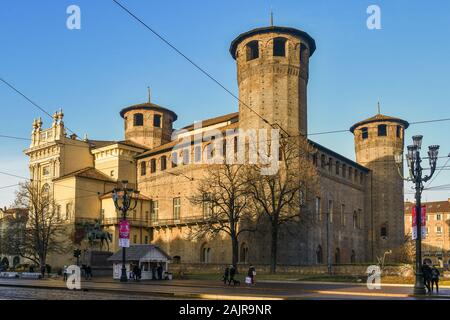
377,141
272,73
148,124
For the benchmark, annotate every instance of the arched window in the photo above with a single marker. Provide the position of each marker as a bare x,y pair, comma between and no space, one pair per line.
163,163
337,256
46,189
319,255
252,50
364,133
304,53
353,257
205,253
157,121
243,253
143,168
279,47
152,165
138,119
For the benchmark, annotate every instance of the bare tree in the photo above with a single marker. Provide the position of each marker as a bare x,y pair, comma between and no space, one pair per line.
281,198
42,231
223,195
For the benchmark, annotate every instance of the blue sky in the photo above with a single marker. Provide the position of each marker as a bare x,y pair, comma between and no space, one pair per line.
93,72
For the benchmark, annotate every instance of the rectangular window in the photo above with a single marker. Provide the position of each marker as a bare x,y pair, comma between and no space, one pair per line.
330,165
46,170
318,209
152,165
364,133
176,208
68,210
399,131
154,210
157,121
207,205
337,167
438,217
438,230
382,130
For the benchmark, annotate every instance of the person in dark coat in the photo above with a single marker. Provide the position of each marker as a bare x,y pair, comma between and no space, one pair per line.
426,271
252,273
160,272
232,274
226,274
154,272
136,272
435,278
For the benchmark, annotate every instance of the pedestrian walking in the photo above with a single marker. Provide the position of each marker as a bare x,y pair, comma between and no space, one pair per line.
251,274
136,273
154,272
426,272
435,278
226,274
65,273
232,274
160,271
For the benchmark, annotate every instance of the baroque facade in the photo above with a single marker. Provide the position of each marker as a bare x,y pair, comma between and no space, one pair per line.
358,211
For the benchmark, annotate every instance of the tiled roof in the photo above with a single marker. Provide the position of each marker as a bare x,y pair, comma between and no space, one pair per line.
432,207
148,106
380,118
90,173
216,120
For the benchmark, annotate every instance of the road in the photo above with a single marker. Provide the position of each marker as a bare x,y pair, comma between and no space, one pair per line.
201,289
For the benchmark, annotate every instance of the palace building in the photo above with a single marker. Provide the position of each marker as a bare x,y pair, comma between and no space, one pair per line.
358,211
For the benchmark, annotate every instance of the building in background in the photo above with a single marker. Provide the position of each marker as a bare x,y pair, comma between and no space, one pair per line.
7,218
357,214
436,245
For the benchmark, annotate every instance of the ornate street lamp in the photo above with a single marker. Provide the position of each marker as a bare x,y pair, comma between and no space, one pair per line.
413,160
124,199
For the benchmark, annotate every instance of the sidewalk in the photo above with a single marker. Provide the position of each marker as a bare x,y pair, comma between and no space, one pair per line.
204,289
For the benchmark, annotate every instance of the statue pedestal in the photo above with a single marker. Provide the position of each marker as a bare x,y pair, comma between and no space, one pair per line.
98,260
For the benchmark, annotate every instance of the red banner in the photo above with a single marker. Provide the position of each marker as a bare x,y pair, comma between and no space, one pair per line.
423,222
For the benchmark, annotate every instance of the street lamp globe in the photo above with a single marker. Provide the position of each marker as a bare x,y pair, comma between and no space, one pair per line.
433,152
417,140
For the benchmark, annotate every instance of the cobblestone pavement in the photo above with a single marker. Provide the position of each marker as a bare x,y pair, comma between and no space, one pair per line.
14,293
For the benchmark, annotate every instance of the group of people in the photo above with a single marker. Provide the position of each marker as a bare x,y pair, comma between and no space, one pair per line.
431,277
136,272
86,270
230,273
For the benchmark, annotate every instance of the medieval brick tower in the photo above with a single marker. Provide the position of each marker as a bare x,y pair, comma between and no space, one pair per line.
377,141
148,124
272,73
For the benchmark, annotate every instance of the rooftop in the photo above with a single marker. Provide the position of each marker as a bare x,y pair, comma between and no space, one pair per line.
148,106
89,173
380,118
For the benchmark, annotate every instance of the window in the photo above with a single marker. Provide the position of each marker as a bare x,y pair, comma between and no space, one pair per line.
68,210
399,131
243,253
157,121
319,255
438,230
318,209
143,168
330,210
344,170
205,253
45,189
58,212
154,210
355,220
382,131
350,173
343,214
46,170
330,165
207,205
364,133
384,231
337,256
438,217
176,208
322,161
279,47
163,163
303,53
152,165
186,156
138,119
337,167
111,173
198,154
252,50
174,159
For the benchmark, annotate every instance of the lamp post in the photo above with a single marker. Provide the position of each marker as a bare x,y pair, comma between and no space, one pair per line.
123,201
413,160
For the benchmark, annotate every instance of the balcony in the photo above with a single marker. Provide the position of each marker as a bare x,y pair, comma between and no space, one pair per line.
182,221
133,222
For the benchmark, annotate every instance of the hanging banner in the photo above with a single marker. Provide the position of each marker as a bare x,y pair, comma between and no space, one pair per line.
423,212
124,234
